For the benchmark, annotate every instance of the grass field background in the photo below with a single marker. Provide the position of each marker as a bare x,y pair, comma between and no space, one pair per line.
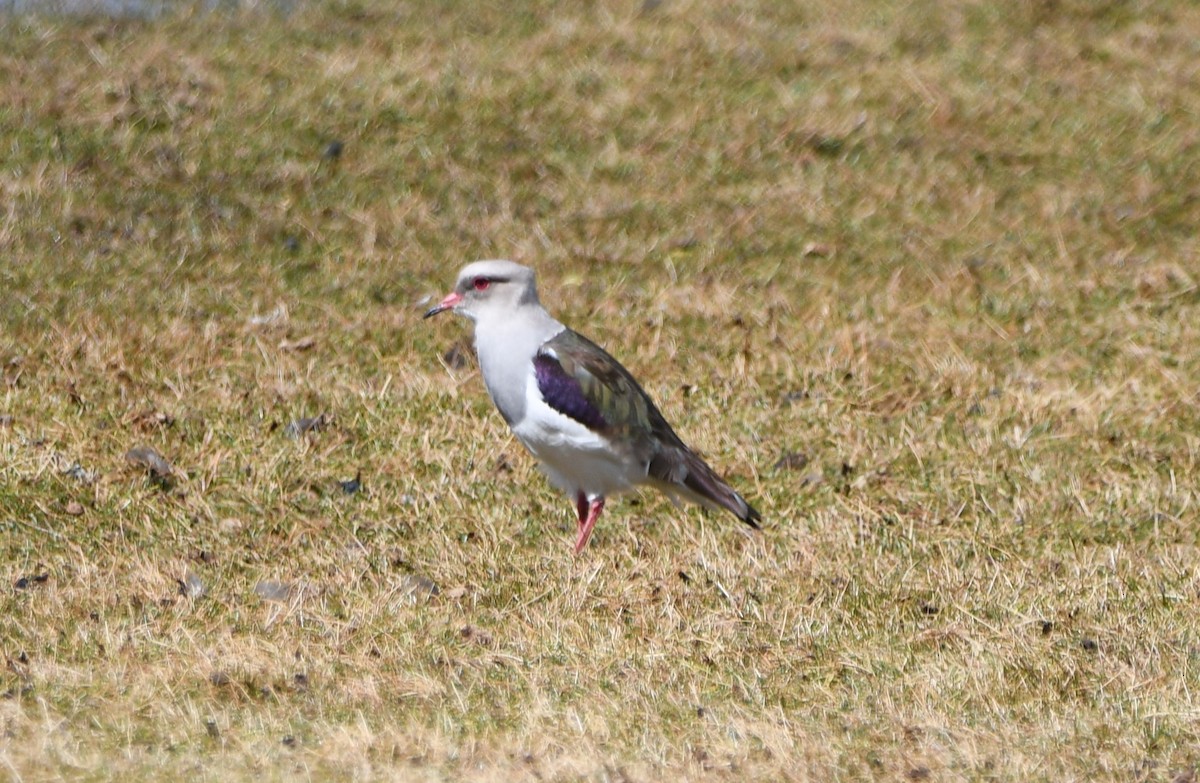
920,278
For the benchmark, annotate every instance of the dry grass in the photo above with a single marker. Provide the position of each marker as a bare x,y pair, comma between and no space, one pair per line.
945,251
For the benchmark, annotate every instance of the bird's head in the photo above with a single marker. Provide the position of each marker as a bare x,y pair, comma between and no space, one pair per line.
489,288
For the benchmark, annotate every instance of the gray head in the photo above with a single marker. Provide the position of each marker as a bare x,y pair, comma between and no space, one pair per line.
489,288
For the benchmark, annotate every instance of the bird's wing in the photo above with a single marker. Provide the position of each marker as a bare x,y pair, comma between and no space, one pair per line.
580,380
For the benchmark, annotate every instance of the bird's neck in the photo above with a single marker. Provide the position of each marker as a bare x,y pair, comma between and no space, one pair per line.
506,343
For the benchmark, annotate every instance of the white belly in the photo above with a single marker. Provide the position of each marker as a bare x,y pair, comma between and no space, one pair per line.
573,457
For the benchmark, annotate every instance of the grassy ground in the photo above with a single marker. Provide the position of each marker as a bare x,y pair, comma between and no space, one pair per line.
921,278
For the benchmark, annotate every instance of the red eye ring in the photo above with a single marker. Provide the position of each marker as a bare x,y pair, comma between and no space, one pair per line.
480,283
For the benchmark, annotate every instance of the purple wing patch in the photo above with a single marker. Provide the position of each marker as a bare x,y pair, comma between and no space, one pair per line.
562,392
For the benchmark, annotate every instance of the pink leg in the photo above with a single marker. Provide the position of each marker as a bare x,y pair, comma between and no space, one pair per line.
585,526
581,507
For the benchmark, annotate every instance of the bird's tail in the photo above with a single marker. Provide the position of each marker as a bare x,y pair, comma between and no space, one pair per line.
682,472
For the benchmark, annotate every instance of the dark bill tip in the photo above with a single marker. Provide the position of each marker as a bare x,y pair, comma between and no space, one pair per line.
449,302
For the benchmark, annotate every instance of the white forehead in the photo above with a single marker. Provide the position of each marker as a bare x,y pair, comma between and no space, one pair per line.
495,268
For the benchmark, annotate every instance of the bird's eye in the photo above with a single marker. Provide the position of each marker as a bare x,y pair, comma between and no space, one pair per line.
480,283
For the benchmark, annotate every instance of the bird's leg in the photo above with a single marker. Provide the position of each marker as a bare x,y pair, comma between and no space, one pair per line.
581,507
585,526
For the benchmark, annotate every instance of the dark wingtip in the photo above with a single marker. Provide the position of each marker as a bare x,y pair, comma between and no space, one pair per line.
711,488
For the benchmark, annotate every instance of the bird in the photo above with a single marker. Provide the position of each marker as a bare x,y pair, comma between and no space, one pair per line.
581,414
